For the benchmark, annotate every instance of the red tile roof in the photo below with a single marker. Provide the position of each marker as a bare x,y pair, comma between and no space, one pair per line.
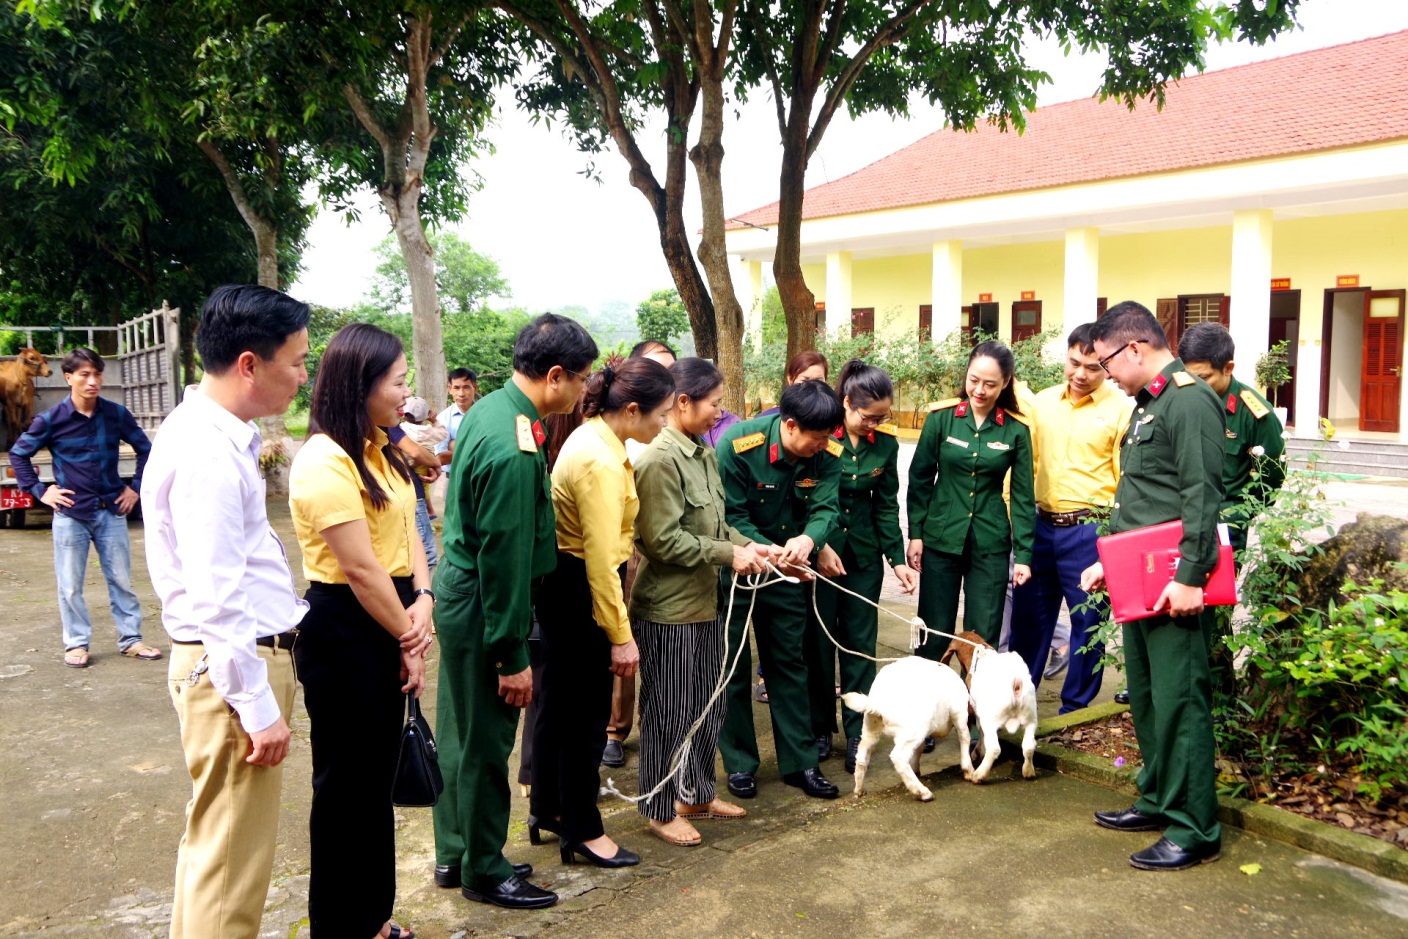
1339,96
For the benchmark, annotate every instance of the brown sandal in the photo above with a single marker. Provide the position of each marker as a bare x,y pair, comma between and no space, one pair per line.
140,650
717,809
677,831
76,658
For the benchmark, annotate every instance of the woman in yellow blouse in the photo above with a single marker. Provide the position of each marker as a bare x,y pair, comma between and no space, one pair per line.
581,608
362,644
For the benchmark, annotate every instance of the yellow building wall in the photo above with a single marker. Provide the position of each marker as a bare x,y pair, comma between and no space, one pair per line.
1006,271
815,276
1152,265
895,287
1312,252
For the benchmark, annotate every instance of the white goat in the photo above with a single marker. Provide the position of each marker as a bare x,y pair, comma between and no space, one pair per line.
909,700
1003,697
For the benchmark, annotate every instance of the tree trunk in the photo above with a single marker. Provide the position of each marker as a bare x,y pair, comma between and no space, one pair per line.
798,302
427,334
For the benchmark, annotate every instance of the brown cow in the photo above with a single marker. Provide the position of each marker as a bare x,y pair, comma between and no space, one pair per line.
17,390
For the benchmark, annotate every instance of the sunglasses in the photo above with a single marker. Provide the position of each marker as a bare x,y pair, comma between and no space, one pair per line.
1105,362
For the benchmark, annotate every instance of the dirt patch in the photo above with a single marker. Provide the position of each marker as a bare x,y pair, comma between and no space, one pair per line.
1325,794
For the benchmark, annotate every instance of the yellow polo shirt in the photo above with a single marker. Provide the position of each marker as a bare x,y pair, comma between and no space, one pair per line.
1076,446
324,489
594,495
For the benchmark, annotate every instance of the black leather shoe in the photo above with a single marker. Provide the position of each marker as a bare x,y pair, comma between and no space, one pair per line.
812,783
929,744
513,894
823,747
536,829
1164,855
448,875
613,754
852,748
622,858
743,785
1130,819
1121,697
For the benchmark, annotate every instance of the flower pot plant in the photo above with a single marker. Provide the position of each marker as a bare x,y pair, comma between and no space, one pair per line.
1273,370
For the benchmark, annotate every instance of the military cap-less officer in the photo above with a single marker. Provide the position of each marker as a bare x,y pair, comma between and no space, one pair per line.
780,476
959,528
499,540
1171,461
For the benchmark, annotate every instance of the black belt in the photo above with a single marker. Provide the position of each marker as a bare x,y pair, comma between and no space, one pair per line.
1062,519
281,641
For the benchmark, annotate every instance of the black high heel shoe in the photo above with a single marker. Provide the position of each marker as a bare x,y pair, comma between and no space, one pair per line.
536,828
622,858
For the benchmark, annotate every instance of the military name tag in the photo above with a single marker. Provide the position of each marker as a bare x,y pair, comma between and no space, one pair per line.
961,443
999,445
768,487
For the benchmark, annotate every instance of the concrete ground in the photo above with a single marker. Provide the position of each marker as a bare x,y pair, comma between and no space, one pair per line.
93,790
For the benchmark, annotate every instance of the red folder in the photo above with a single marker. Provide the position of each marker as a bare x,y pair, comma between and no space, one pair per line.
1139,564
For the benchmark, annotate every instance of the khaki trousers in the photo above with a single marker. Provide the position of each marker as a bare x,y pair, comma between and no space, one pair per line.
226,856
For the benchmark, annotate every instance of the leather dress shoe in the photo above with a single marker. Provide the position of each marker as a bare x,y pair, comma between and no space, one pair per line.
743,785
812,783
1121,697
448,875
624,857
613,754
1164,855
852,748
1130,819
513,894
823,747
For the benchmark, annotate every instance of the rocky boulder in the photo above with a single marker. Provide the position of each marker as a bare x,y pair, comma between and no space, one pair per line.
1372,547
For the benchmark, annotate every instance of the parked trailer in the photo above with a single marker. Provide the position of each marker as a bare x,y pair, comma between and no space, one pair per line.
146,381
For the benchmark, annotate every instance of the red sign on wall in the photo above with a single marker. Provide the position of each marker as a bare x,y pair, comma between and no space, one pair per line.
1347,280
1028,294
1280,283
984,298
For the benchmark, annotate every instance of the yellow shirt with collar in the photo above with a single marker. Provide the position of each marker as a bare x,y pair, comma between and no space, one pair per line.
325,489
594,495
1076,446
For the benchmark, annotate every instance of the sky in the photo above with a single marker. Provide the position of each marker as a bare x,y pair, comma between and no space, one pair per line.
561,239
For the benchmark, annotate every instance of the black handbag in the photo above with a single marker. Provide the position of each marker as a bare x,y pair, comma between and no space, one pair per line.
418,781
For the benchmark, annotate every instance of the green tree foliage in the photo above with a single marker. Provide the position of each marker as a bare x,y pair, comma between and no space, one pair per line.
466,279
662,317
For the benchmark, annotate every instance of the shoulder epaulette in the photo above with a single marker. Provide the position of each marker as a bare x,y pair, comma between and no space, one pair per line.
1024,419
1253,402
1183,379
892,430
945,403
749,442
834,447
526,441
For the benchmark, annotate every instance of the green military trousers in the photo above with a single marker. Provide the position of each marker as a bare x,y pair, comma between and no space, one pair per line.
1166,662
854,624
780,615
475,729
983,579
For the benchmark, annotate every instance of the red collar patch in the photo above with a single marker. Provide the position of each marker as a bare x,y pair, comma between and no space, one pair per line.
1231,403
540,436
870,437
1157,385
961,410
839,432
773,453
1000,417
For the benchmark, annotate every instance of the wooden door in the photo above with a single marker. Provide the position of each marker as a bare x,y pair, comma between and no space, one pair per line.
926,322
1381,369
821,319
965,323
1166,312
862,321
1026,319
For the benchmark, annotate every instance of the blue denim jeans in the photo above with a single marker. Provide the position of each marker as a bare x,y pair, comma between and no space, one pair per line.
108,533
427,534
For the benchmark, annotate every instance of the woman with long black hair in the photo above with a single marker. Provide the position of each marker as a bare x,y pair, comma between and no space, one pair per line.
362,643
581,606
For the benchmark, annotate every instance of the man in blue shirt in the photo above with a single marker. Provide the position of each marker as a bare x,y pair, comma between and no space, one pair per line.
464,389
90,502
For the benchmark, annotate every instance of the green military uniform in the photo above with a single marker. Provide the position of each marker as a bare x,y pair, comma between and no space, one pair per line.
956,507
499,539
869,532
1250,423
1171,461
772,499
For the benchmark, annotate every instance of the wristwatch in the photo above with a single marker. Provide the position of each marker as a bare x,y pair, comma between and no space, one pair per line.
425,592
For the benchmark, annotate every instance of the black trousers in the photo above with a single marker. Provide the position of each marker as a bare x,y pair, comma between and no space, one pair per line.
576,703
350,668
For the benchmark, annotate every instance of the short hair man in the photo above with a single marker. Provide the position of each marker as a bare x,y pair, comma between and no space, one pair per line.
782,479
1076,432
1252,468
500,539
228,604
1171,462
90,502
464,389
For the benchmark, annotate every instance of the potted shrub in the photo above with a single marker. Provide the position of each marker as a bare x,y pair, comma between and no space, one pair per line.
1272,371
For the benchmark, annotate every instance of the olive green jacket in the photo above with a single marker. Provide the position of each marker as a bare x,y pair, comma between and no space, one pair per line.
681,533
499,521
956,483
770,498
870,488
1251,423
1171,462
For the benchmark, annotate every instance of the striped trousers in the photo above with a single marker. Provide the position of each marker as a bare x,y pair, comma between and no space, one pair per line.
679,666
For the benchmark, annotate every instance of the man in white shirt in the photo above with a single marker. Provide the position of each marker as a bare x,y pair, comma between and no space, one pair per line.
464,388
228,604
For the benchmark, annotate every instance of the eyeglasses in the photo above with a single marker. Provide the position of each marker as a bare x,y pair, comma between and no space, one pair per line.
873,419
1105,362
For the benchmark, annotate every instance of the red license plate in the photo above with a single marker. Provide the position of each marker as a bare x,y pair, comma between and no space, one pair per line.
15,499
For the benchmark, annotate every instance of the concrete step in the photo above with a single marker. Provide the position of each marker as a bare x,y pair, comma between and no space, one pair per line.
1360,458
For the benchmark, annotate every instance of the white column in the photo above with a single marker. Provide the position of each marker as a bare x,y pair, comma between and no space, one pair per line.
1308,363
1250,320
946,296
838,292
1082,287
748,285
